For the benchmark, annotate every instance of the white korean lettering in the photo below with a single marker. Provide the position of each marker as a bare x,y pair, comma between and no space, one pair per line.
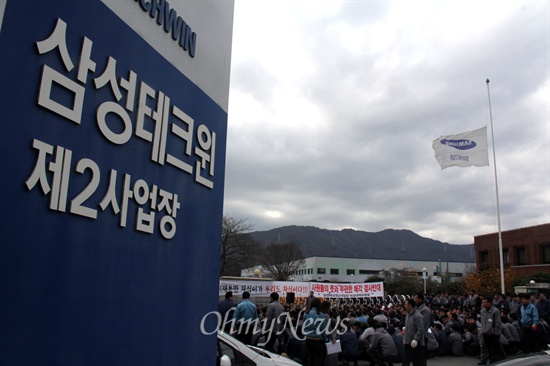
161,127
57,40
130,86
164,204
145,221
141,191
145,92
49,76
171,231
86,64
110,195
186,135
207,141
116,138
39,172
76,204
126,195
109,76
60,185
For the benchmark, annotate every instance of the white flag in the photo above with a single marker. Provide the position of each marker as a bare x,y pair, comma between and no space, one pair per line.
464,149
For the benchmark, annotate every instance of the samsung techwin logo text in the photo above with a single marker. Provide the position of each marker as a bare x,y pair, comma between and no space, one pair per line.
181,31
459,144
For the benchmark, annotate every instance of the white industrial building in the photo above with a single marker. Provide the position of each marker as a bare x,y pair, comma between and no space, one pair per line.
333,269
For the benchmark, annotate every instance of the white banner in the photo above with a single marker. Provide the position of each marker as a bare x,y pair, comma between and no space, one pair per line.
347,290
264,288
302,289
463,150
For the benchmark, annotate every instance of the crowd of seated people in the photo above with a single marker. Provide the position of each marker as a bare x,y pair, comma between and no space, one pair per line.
371,329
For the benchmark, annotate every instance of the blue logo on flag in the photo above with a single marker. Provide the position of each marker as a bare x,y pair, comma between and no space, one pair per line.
459,144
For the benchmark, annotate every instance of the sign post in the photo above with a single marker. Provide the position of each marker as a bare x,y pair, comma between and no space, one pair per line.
114,122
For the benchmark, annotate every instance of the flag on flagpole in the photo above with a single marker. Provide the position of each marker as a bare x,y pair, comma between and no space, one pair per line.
463,150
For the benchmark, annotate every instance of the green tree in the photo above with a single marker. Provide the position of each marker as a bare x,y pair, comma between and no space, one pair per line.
457,286
402,281
538,277
374,279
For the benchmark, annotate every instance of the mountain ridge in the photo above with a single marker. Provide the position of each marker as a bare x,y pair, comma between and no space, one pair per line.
395,244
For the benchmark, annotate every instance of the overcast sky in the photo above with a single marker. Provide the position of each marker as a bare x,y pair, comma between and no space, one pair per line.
334,106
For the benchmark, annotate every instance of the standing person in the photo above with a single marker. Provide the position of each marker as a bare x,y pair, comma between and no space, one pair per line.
274,326
496,301
543,307
504,303
426,313
490,331
314,327
515,303
471,300
414,336
246,317
529,320
226,308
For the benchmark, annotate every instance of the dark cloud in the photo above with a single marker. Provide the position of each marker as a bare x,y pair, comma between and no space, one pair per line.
332,127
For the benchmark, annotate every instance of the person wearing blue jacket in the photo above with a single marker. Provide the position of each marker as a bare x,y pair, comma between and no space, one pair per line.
314,329
529,320
246,319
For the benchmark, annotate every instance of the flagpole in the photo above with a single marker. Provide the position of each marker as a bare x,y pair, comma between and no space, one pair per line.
498,204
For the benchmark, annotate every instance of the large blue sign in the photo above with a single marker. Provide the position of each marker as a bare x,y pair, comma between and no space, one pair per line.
112,188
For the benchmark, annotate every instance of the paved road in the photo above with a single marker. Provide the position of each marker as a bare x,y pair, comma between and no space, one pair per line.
440,361
454,361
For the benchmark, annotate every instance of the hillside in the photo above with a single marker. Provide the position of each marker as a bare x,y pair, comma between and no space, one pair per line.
386,244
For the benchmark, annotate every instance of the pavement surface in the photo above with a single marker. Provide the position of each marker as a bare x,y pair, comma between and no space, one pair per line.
438,361
461,361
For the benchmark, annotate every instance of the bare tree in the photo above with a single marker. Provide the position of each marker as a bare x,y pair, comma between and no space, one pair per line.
280,261
238,249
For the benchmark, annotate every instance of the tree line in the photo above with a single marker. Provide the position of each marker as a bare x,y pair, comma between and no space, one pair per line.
239,251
